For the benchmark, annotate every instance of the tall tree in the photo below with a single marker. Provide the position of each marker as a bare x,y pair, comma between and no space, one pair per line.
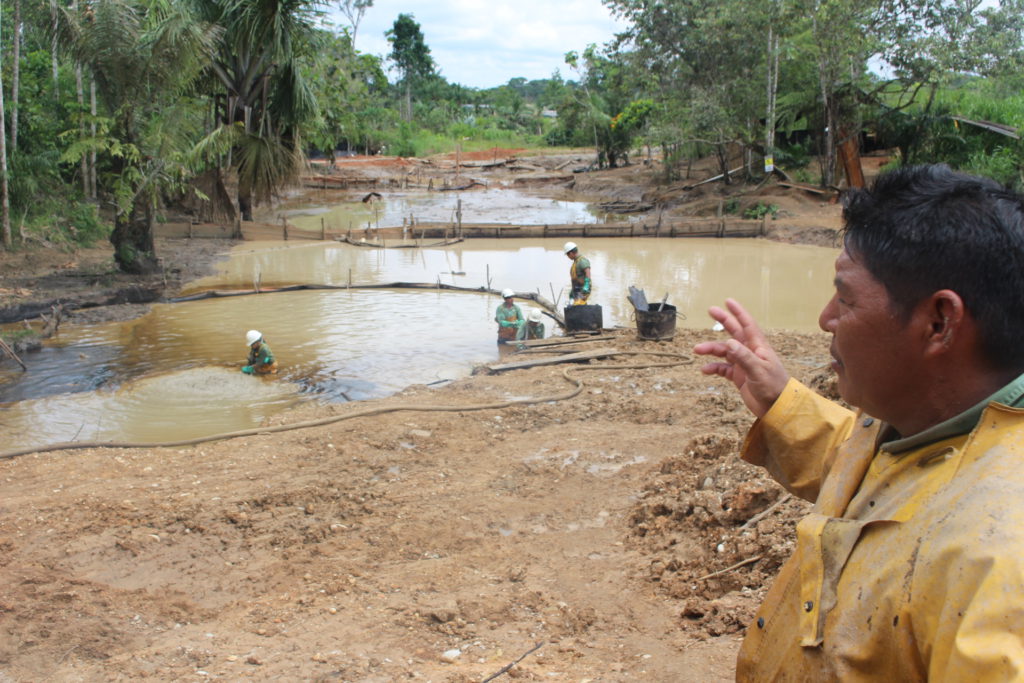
705,65
144,54
5,205
15,74
410,55
354,11
262,98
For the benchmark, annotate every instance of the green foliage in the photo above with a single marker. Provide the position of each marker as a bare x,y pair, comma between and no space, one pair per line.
1005,164
66,224
409,51
760,210
85,225
793,156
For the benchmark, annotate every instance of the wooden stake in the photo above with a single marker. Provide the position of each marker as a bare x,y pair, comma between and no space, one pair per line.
10,351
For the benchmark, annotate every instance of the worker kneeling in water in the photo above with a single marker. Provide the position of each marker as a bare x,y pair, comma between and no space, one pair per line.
261,358
533,329
509,318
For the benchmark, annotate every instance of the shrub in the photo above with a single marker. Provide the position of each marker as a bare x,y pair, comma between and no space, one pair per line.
761,209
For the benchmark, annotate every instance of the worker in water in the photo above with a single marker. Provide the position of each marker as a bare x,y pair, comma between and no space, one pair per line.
509,318
579,275
261,358
533,329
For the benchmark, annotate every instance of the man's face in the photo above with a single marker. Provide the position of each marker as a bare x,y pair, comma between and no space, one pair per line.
508,301
874,353
571,255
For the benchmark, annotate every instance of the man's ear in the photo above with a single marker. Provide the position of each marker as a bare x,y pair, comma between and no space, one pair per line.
944,314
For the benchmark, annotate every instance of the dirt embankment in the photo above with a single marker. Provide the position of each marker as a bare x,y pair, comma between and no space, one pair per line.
617,530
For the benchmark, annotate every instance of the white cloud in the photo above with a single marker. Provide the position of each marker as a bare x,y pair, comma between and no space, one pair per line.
484,43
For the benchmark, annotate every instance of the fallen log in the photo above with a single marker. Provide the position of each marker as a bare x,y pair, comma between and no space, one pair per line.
810,188
460,187
559,341
712,179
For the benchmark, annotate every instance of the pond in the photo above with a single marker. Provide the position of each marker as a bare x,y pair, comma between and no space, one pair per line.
174,373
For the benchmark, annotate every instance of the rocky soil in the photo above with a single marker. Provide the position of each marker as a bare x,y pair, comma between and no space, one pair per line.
610,536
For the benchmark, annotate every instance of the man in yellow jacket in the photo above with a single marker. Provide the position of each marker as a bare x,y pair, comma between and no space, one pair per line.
910,566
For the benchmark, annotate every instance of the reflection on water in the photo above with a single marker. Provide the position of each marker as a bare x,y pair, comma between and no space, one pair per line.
174,373
169,406
783,285
331,345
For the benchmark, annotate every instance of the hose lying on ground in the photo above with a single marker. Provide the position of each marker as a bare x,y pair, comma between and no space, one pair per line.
78,445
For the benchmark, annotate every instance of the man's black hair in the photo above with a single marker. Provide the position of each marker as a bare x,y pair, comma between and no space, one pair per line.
924,228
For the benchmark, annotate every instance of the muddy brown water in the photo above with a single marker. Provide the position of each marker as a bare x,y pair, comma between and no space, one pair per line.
174,373
346,210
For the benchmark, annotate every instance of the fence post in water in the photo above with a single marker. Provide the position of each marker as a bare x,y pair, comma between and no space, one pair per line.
458,208
349,279
284,227
323,229
488,277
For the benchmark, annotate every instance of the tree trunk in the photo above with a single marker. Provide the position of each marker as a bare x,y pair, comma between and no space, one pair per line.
80,93
132,238
245,203
5,202
828,163
723,163
407,114
773,88
15,75
92,127
53,57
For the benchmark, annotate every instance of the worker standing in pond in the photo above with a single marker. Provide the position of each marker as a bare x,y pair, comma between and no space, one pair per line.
533,329
910,565
261,358
509,318
579,275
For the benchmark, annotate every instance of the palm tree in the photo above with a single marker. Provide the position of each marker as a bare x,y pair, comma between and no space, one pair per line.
260,97
144,56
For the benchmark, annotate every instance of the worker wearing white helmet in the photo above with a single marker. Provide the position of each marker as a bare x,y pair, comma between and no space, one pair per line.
533,328
509,318
261,358
579,275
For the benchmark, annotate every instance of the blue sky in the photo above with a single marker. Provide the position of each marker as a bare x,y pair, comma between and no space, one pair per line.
484,43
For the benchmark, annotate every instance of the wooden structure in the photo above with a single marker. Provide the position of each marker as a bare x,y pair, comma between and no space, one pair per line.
418,232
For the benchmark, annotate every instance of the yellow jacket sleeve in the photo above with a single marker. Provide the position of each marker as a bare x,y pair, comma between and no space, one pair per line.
797,439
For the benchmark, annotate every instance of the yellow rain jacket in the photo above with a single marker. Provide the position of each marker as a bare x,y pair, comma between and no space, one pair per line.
910,566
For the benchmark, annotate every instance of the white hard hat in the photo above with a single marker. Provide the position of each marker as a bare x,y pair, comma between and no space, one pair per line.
506,293
569,246
535,316
252,336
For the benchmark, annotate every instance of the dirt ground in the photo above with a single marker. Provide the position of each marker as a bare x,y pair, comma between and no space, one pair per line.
610,536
